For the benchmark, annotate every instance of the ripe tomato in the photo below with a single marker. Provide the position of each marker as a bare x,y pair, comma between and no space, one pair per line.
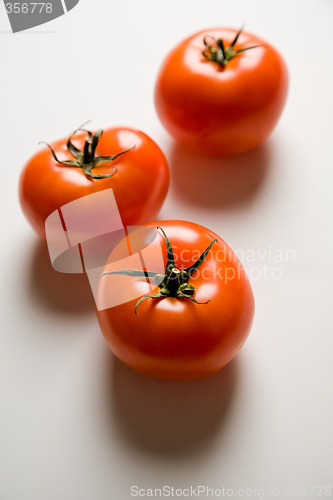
215,95
201,313
138,174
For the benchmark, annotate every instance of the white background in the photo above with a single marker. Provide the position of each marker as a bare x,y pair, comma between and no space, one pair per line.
75,424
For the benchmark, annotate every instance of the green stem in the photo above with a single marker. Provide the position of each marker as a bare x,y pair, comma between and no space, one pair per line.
87,160
219,53
174,283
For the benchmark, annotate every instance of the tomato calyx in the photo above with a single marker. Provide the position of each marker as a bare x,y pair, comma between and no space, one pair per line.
174,283
219,53
87,160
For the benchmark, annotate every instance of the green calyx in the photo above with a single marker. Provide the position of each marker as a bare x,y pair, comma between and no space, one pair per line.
87,160
219,53
174,283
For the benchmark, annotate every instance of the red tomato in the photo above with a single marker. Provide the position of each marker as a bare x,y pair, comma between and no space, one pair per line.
138,174
196,324
219,97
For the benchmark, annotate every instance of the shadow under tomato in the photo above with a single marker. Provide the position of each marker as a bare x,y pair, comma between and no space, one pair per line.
69,293
170,418
218,182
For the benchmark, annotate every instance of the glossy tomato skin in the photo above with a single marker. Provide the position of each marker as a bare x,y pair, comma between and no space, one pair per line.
140,184
223,111
174,338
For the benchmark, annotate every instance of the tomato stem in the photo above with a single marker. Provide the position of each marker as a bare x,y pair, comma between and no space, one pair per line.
87,160
217,52
174,283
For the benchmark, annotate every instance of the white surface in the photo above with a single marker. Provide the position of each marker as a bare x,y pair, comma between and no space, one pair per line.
74,423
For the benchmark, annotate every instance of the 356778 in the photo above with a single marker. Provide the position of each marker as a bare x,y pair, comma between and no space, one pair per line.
308,491
28,7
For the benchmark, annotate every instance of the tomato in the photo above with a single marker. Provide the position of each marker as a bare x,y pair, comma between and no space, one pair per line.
201,313
137,172
221,91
